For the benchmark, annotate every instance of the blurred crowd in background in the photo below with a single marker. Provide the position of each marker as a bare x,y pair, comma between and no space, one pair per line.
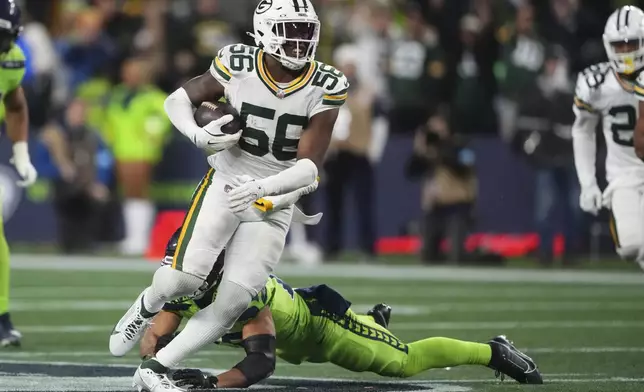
439,71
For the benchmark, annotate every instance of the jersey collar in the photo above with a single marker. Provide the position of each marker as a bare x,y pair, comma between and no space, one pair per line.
282,92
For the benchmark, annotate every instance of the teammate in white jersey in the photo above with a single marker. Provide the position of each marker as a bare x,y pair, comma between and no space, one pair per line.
288,103
605,91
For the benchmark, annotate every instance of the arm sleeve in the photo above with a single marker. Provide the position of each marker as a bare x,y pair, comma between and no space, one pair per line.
300,175
13,67
181,113
583,134
282,201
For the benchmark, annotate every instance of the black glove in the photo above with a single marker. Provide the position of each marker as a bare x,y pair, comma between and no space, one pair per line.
194,379
163,341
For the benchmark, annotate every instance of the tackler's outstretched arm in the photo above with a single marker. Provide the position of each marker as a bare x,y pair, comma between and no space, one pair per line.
259,364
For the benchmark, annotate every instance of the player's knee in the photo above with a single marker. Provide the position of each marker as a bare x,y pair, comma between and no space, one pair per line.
170,283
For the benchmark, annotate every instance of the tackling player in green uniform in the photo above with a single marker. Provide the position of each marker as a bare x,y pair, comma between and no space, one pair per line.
14,116
316,324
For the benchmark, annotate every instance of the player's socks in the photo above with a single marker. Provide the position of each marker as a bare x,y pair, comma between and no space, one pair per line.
207,325
435,353
4,273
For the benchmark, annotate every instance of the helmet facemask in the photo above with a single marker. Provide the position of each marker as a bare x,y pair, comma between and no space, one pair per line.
626,55
292,42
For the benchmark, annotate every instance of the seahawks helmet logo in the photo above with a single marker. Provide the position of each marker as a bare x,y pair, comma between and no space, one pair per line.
264,6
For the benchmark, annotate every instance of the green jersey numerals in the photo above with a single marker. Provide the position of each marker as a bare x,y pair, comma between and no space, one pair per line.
595,75
624,128
282,148
241,58
327,77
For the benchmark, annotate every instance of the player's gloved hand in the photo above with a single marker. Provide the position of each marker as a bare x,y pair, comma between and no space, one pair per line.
212,139
194,379
244,195
163,341
590,199
23,165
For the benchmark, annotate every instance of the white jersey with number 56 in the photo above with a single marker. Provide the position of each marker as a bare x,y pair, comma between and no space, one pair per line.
274,114
601,94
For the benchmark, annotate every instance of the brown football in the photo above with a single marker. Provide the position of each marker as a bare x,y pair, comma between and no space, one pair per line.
211,111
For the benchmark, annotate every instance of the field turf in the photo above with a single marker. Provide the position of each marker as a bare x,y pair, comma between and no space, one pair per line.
584,328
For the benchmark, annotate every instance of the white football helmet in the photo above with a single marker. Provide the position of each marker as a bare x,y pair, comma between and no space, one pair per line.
289,30
624,40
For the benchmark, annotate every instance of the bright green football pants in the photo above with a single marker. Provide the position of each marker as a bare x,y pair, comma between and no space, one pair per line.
4,268
366,346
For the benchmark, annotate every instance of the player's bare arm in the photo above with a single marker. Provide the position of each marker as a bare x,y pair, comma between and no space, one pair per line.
315,140
203,88
180,108
638,137
17,115
164,323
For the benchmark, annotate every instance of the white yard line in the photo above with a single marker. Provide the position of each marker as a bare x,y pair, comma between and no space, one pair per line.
383,272
359,293
520,306
504,325
23,305
36,381
407,326
205,354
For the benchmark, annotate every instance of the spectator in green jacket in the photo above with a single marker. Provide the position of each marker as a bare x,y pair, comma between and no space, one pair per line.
138,129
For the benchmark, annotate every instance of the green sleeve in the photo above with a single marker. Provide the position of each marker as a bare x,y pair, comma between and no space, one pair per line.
13,68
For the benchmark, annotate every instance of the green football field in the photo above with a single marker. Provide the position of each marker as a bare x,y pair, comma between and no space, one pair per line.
585,329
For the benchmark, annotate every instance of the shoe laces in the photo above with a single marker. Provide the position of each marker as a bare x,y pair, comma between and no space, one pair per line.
133,328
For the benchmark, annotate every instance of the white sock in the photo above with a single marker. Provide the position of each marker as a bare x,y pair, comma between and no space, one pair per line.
139,217
169,284
208,324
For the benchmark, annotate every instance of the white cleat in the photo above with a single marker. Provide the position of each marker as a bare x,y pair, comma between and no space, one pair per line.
130,328
147,380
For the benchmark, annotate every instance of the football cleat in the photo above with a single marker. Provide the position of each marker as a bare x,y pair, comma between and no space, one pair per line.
130,328
9,336
151,376
381,314
508,361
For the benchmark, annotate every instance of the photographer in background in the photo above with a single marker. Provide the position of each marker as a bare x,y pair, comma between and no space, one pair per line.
449,189
80,166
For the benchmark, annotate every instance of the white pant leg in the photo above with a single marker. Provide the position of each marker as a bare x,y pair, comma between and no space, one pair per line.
255,249
627,222
207,227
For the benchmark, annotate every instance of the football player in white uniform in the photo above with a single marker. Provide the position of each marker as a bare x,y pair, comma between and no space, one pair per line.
288,103
605,91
